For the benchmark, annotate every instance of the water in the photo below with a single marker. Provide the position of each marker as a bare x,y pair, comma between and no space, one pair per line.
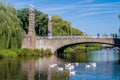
107,67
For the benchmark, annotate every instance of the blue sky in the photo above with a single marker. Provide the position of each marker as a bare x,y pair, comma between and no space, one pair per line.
90,16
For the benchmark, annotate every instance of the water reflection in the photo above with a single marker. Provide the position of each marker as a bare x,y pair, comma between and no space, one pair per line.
11,69
107,67
40,75
94,56
29,69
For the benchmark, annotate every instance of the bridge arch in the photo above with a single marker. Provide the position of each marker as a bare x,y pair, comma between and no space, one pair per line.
60,50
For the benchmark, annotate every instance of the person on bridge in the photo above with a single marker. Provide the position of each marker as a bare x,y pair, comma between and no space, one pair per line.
98,35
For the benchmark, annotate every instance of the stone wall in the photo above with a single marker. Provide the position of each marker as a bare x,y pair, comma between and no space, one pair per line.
29,42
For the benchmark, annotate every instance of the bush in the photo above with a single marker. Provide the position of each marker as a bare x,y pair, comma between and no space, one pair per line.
24,52
6,53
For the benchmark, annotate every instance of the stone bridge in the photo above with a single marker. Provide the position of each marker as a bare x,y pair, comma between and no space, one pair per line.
56,44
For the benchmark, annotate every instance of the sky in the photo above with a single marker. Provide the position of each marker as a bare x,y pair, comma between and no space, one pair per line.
90,16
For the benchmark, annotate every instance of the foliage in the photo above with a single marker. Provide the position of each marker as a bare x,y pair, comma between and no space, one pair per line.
10,53
76,32
63,27
23,16
11,33
41,23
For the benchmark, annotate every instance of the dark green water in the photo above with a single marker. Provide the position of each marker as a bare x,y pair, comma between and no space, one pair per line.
27,69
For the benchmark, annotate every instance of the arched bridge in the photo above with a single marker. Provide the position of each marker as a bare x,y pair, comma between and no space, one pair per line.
61,43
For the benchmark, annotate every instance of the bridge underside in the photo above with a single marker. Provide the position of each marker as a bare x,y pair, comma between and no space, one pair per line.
60,50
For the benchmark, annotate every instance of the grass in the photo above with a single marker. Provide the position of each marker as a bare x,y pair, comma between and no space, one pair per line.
10,53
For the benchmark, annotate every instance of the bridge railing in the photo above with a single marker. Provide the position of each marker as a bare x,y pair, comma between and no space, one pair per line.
105,37
64,37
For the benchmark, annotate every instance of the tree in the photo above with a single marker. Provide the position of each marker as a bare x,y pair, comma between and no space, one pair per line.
56,25
11,33
77,32
66,26
23,16
41,23
63,27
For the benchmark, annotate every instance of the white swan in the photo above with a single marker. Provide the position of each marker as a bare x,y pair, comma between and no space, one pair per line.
52,65
72,73
93,64
88,66
59,68
70,67
76,64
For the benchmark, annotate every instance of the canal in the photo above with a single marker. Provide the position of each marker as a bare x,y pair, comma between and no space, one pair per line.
107,67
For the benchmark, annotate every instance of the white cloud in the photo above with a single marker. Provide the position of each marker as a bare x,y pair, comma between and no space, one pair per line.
78,6
94,13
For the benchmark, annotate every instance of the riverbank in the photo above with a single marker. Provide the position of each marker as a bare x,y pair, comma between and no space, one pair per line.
11,53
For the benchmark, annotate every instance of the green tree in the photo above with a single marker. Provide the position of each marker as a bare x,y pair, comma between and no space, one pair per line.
56,25
41,23
23,16
66,27
63,27
77,32
11,33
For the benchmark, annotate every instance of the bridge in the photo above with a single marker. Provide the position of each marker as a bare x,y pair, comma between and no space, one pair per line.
60,43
